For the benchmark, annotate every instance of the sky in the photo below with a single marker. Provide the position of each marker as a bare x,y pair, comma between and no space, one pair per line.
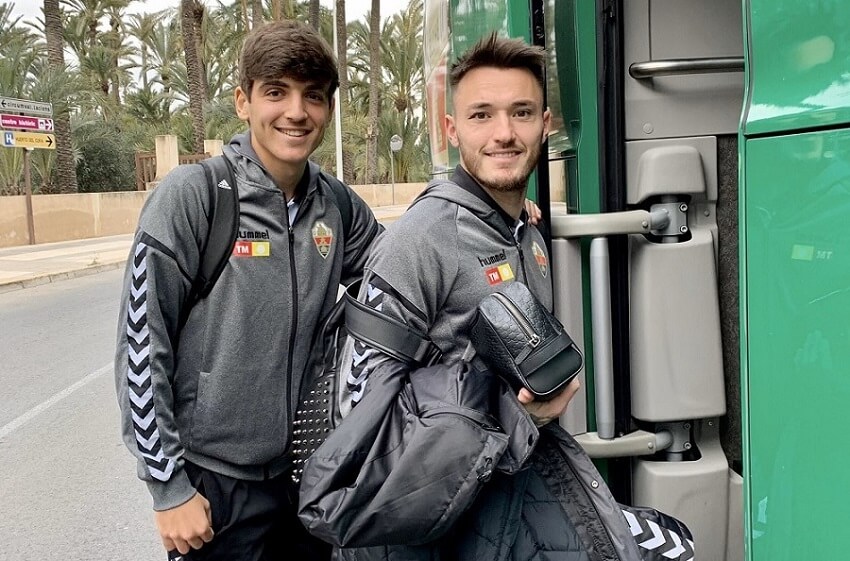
354,9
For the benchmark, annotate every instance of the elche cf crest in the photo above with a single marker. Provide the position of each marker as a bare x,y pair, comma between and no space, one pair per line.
323,237
540,258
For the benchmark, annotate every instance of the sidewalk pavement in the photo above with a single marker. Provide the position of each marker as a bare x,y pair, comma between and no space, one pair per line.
31,265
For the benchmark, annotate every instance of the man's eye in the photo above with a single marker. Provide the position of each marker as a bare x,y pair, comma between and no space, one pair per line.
315,96
274,93
478,116
523,113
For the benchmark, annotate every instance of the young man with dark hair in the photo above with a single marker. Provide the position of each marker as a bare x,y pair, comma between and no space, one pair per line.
460,241
499,125
208,392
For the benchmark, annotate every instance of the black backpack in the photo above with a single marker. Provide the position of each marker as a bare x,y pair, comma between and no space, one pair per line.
223,222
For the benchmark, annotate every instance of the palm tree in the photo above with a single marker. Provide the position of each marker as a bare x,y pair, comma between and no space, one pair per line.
193,71
342,64
85,22
66,172
374,91
142,28
18,55
402,94
114,38
165,54
199,14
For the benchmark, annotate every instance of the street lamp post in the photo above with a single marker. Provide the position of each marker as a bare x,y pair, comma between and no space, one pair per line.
395,145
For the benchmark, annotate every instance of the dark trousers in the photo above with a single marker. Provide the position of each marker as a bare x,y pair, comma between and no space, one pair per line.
253,520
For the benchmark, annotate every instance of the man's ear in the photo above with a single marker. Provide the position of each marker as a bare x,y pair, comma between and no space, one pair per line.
547,124
332,105
451,130
241,101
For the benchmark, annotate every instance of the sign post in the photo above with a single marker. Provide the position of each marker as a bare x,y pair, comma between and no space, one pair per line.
28,196
24,138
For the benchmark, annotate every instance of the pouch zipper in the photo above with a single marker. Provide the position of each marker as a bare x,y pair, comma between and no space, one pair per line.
533,338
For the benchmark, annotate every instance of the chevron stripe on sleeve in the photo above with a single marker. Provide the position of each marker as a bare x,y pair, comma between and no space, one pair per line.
359,370
140,387
658,543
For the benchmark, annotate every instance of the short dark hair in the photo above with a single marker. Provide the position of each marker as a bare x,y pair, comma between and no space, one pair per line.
500,52
286,48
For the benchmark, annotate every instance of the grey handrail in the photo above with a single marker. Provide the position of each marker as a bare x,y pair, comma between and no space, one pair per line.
679,66
603,356
608,223
598,227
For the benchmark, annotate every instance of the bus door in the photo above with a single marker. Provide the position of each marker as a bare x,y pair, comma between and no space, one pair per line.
644,222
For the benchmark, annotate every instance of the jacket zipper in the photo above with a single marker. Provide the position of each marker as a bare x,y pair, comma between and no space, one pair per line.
592,503
514,311
289,409
522,261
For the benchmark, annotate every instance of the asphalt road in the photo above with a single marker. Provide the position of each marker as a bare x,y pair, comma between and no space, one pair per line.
68,488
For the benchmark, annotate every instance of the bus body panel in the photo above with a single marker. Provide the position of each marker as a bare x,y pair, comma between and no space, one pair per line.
796,245
795,255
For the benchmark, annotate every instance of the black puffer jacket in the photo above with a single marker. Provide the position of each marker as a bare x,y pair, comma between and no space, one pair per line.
552,506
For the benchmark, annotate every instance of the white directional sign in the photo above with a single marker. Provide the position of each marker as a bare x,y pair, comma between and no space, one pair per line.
16,139
26,122
25,106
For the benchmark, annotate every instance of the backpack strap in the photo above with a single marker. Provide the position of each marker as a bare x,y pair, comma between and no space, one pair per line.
223,224
392,337
342,196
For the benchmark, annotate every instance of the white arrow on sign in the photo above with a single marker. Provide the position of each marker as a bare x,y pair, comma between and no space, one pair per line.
45,124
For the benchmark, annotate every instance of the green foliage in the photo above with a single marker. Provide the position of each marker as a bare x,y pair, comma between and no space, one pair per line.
106,161
125,83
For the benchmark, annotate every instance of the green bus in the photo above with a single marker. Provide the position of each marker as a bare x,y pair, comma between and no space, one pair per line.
697,187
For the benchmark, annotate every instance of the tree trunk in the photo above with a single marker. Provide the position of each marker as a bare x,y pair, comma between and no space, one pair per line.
198,16
115,24
277,15
66,170
256,13
193,73
314,14
374,92
342,63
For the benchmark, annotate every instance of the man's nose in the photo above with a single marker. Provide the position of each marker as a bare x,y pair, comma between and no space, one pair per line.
503,128
296,109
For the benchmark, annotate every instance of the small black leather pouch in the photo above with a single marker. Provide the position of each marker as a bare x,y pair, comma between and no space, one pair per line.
520,340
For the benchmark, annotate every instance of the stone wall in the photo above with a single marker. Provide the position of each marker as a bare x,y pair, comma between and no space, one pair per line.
89,215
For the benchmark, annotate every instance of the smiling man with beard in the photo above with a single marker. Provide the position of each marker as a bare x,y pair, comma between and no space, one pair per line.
463,239
460,241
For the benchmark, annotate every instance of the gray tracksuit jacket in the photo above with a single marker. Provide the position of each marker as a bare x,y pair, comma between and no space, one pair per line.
452,247
221,392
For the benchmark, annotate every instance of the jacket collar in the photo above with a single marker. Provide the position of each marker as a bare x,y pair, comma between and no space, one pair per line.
256,172
465,181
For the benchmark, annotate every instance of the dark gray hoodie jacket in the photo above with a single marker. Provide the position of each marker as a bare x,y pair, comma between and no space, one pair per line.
221,392
430,270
